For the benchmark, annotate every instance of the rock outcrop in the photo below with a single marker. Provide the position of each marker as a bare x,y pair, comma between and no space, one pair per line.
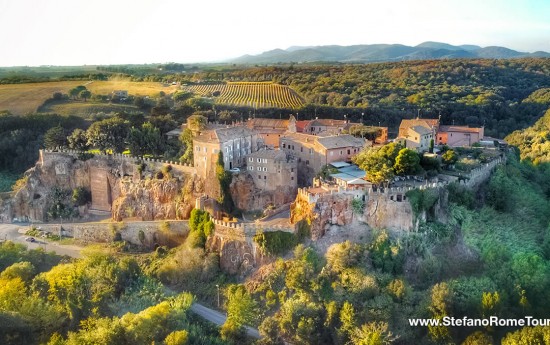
247,196
117,185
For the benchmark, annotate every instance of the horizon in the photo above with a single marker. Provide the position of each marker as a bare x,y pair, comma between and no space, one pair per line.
105,33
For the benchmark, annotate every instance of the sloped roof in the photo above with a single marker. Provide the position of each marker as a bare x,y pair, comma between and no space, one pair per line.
301,125
268,123
268,154
337,141
462,129
427,123
420,130
221,135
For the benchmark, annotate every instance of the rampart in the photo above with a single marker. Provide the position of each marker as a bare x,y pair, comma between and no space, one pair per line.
49,156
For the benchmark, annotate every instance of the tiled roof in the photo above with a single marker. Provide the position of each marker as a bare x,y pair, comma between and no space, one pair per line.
222,135
462,129
421,130
328,122
268,154
268,123
428,123
301,125
337,141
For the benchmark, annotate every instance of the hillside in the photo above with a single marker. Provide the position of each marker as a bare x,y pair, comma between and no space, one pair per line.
381,52
254,95
534,142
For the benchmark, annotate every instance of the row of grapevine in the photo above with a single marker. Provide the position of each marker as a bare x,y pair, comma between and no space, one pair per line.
252,94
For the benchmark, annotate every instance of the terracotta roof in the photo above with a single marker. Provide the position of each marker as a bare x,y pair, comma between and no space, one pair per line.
268,123
428,123
307,140
462,129
328,122
420,130
301,125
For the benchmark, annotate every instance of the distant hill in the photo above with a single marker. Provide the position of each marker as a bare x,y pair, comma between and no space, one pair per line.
381,53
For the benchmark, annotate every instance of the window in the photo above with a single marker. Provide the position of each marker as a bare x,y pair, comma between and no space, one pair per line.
259,160
284,146
307,162
440,138
260,177
301,149
265,169
291,169
349,151
265,160
198,148
265,177
250,159
310,151
238,146
340,152
292,178
259,168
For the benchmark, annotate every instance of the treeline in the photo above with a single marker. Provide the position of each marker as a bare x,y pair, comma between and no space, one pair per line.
534,142
22,136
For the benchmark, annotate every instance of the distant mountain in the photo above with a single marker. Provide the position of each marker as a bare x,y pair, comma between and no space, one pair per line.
382,52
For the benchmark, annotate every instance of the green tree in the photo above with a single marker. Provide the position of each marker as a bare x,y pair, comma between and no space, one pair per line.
177,338
78,140
84,94
450,157
109,134
242,309
186,139
372,333
407,162
74,92
145,140
55,137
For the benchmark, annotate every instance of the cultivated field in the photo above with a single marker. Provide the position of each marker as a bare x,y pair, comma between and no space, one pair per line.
86,109
20,99
256,95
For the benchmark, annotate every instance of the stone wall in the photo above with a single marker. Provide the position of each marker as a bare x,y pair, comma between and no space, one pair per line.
129,231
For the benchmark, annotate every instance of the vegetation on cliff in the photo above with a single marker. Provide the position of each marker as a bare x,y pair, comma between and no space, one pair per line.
534,142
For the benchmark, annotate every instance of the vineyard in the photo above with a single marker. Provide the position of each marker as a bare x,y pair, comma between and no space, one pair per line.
255,95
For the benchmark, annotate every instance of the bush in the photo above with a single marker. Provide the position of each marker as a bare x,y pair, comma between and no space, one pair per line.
81,196
275,242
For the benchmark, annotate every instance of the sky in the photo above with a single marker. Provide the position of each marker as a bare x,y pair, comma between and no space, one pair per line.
76,32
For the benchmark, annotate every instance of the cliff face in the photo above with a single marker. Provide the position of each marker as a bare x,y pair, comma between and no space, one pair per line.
330,209
116,185
247,197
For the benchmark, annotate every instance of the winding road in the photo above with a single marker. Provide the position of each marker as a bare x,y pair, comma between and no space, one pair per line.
16,233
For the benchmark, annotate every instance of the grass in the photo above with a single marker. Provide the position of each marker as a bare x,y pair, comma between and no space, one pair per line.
20,99
86,109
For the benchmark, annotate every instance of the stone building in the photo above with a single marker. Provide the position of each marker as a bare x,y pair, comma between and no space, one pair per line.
272,169
271,130
313,152
417,133
234,142
459,135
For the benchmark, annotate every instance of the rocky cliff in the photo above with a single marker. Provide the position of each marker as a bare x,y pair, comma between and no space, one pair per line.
126,188
247,196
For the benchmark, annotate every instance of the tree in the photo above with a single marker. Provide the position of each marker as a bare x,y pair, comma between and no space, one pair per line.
109,134
75,92
177,338
78,140
242,309
196,123
407,162
186,139
450,157
145,140
372,333
55,137
84,94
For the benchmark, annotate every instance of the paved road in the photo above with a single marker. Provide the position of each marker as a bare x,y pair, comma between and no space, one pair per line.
16,233
219,318
13,233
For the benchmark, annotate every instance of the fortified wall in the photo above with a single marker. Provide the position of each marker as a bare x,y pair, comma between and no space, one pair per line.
120,186
386,208
239,254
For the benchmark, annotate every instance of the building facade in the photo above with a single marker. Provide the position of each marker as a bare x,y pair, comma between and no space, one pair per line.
272,169
234,142
313,152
